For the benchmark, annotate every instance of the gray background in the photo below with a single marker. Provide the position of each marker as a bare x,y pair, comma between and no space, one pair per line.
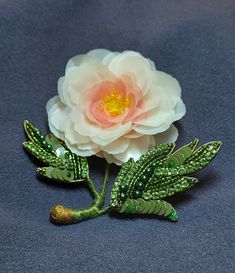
192,40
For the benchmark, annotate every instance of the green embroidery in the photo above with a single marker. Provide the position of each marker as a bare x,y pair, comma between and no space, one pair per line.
139,186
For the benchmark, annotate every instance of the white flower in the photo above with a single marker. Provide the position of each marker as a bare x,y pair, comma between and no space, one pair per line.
115,105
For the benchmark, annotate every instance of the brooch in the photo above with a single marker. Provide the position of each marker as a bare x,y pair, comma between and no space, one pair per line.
120,107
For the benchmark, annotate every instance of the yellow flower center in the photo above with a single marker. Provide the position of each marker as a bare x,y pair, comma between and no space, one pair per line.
115,104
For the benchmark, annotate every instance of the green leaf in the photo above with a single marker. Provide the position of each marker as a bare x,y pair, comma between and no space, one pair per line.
123,175
63,175
131,173
181,155
64,165
36,137
54,142
157,207
167,186
43,155
157,153
197,161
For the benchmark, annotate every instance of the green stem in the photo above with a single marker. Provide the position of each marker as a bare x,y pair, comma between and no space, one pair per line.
100,201
62,215
92,188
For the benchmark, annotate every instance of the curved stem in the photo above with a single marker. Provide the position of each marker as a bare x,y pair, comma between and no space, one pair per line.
61,215
104,186
92,188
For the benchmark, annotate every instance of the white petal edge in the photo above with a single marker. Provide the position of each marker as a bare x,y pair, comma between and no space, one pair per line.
168,136
137,147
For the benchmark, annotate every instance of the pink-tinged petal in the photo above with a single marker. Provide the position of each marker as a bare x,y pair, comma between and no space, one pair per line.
98,135
122,87
99,91
96,95
168,136
79,80
112,104
101,117
137,147
126,89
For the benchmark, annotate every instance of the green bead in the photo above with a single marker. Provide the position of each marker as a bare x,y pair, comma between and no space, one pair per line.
144,178
137,194
184,184
177,188
122,196
162,194
174,172
139,185
124,187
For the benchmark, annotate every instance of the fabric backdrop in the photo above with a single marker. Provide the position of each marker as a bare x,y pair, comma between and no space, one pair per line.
192,40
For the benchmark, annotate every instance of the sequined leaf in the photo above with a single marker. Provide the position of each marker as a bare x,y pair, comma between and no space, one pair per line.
43,155
64,175
197,161
36,137
133,176
157,207
63,164
159,174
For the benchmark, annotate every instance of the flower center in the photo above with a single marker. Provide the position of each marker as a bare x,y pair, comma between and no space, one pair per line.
115,104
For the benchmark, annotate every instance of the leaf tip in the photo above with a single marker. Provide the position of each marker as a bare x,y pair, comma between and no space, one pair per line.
41,171
174,216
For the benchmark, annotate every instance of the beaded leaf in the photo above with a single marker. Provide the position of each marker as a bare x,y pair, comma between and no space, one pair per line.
63,165
157,207
158,174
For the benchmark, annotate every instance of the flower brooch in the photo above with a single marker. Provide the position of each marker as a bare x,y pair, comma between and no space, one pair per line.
119,107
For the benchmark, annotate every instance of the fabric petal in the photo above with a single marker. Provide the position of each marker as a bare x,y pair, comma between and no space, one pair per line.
132,62
137,147
86,152
118,146
99,53
168,83
168,136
